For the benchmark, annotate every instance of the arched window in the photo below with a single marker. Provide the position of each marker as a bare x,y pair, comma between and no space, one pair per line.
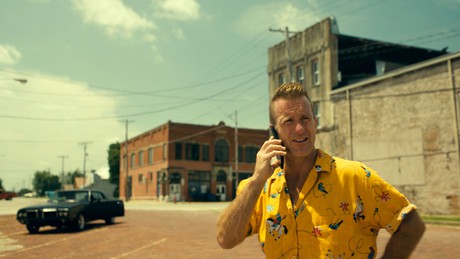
250,154
221,151
221,177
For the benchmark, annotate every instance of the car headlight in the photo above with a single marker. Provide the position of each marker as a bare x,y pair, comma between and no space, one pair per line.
63,212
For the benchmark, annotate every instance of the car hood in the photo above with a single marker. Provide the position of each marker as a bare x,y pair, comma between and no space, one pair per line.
54,205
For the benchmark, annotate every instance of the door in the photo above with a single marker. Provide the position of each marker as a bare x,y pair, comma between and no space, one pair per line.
174,192
221,192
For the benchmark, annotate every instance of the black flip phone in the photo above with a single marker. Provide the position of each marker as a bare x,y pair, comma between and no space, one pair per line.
275,135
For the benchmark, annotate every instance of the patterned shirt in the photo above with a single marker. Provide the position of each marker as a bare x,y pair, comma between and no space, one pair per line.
339,211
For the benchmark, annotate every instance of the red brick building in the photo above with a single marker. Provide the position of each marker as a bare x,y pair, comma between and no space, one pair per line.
186,162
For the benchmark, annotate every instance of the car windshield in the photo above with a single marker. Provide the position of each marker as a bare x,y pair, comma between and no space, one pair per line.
71,196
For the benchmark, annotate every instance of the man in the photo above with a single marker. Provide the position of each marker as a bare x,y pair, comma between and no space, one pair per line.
317,205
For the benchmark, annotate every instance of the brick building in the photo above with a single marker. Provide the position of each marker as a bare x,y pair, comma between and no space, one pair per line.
186,162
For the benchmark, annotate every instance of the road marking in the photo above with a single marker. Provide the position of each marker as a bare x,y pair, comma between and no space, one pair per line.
46,244
141,248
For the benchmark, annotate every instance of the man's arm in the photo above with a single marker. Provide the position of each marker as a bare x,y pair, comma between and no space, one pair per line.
403,242
233,222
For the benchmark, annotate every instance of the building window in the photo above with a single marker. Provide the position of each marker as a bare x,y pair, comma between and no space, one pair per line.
221,177
315,73
221,151
316,112
141,158
178,155
151,177
133,158
165,150
300,75
250,154
140,178
150,155
205,153
192,151
281,79
240,154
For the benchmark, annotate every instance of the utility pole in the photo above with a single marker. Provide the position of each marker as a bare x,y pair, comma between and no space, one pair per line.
84,144
63,178
286,32
236,150
127,192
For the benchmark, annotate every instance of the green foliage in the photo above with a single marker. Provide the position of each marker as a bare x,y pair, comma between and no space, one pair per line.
114,163
1,183
45,181
23,191
73,175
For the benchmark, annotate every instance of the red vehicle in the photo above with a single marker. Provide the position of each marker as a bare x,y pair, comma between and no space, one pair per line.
7,195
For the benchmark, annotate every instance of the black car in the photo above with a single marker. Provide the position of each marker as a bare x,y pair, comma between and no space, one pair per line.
71,209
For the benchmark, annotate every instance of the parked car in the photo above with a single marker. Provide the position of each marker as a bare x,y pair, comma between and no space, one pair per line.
71,209
7,195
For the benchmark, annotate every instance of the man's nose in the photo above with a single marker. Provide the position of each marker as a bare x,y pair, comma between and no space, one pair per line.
299,127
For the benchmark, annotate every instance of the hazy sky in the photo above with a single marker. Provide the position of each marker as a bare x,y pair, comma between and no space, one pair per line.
92,64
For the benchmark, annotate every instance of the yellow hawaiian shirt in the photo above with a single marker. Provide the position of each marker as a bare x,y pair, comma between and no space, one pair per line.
338,214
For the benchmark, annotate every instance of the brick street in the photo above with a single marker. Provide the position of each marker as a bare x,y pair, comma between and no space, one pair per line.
155,230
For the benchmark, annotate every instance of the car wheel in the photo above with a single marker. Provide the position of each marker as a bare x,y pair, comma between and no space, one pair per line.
80,223
110,221
33,229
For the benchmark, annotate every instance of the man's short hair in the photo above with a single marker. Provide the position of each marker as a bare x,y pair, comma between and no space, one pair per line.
287,91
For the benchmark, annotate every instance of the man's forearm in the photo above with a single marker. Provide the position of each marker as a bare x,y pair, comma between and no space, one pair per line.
403,242
232,224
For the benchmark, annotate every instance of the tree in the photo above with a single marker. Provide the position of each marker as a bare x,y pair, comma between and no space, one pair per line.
1,183
114,166
114,163
73,175
23,191
44,181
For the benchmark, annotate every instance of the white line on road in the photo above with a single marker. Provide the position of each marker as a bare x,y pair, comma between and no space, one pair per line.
141,248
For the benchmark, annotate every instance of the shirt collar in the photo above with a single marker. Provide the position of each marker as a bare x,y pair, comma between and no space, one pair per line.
324,164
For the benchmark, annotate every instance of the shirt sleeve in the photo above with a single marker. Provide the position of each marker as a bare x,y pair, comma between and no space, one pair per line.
256,215
389,205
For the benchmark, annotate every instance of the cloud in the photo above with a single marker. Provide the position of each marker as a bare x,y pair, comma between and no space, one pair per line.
178,33
277,16
114,16
30,142
9,55
179,10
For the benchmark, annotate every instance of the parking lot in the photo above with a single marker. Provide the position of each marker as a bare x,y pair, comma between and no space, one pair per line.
163,230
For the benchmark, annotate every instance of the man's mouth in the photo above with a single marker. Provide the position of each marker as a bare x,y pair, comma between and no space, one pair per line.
300,140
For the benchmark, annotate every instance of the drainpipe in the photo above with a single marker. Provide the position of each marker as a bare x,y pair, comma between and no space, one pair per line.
350,126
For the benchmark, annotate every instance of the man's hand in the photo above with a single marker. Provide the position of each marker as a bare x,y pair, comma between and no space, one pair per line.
266,160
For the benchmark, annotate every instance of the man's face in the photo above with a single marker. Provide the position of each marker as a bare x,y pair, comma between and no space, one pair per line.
296,125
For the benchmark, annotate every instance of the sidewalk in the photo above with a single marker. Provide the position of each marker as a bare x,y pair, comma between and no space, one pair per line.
179,206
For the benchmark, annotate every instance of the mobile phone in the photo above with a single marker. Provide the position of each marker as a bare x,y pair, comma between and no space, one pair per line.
275,135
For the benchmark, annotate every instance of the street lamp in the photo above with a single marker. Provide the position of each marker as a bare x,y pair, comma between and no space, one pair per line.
20,80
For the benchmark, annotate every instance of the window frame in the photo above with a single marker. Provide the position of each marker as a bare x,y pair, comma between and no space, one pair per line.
316,72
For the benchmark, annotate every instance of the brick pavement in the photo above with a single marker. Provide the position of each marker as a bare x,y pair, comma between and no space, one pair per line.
154,230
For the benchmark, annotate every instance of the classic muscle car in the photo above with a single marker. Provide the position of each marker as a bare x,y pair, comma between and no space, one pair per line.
71,209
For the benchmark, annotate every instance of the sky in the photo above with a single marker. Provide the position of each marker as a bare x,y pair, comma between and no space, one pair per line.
92,65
